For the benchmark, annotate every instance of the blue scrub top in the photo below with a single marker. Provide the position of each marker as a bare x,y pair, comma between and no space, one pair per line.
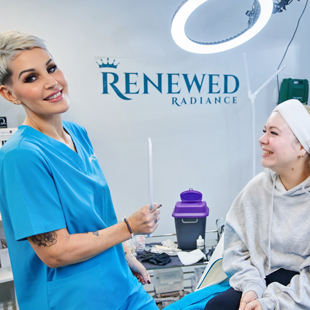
46,186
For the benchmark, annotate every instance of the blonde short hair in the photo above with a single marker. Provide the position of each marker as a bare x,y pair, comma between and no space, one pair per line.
11,44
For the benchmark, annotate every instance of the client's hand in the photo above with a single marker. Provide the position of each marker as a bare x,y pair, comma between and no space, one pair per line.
249,302
139,270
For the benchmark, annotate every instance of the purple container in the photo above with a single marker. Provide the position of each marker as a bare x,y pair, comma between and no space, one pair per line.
191,206
191,196
190,219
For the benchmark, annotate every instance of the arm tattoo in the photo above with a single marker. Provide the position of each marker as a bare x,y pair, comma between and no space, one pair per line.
47,239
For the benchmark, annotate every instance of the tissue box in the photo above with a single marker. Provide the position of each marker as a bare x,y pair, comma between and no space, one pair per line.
168,280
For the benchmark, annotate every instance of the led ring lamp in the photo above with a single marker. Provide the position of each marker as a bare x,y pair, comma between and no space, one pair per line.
262,7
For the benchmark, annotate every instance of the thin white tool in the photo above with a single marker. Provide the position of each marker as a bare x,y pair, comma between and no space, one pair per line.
150,176
252,97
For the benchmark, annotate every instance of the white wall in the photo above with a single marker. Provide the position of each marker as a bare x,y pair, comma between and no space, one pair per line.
207,147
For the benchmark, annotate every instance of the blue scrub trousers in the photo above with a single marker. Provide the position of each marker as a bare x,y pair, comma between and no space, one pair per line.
139,299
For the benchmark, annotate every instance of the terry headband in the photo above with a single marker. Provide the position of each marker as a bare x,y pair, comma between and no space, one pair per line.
298,119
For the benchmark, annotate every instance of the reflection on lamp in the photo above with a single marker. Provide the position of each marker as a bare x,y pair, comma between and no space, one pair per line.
263,8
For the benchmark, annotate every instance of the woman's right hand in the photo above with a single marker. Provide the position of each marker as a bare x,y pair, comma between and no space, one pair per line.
145,220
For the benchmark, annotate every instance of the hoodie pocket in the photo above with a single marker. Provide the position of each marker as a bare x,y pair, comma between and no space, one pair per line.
83,290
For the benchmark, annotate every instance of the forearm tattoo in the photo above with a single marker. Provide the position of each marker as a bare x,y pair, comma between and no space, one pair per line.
47,239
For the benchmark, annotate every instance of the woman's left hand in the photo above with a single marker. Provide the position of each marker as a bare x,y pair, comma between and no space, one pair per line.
139,271
253,305
249,302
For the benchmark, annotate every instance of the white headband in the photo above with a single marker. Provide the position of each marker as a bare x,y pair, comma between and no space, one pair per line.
298,119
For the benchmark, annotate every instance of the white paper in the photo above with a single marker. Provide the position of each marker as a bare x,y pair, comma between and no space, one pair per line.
5,134
4,258
189,258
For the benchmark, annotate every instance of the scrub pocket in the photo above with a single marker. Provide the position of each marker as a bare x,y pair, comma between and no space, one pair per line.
82,291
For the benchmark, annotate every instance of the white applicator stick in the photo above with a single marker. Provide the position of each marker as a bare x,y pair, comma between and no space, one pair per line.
150,176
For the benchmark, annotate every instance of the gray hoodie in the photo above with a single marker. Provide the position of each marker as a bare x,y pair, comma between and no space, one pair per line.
268,228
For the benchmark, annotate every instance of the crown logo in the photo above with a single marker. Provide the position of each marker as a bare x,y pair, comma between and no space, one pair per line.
108,64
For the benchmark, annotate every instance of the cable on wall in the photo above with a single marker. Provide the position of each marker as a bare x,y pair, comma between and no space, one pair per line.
302,13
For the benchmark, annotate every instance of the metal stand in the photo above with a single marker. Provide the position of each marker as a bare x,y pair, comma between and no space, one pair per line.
252,97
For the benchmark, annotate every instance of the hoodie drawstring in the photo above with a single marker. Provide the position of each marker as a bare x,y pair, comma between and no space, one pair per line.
271,220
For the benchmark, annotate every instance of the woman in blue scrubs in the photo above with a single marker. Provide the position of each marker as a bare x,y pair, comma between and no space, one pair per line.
64,241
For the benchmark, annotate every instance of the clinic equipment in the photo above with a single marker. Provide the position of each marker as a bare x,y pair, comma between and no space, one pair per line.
258,18
150,175
200,243
252,97
190,216
168,280
294,89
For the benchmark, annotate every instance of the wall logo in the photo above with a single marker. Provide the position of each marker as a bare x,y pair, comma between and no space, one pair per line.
180,88
107,64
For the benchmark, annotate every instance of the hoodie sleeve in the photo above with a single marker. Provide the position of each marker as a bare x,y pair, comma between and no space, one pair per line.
296,295
237,265
244,258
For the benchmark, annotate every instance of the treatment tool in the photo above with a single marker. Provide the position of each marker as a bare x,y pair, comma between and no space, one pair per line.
150,176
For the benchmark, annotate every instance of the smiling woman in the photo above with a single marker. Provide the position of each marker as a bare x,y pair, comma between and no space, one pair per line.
55,203
37,84
281,149
267,253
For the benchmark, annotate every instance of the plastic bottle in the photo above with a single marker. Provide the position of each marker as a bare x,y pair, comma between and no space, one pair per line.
200,243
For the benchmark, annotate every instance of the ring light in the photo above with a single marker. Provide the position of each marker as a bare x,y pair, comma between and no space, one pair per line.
262,7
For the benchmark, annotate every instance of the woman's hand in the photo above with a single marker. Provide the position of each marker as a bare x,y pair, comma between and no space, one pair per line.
139,270
145,221
253,305
249,302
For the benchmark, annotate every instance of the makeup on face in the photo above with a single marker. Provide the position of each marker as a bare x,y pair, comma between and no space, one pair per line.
38,83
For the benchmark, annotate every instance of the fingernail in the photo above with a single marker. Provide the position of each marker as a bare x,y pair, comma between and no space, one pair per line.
148,281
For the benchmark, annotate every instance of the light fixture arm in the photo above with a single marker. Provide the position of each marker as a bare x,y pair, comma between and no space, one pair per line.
252,97
280,5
